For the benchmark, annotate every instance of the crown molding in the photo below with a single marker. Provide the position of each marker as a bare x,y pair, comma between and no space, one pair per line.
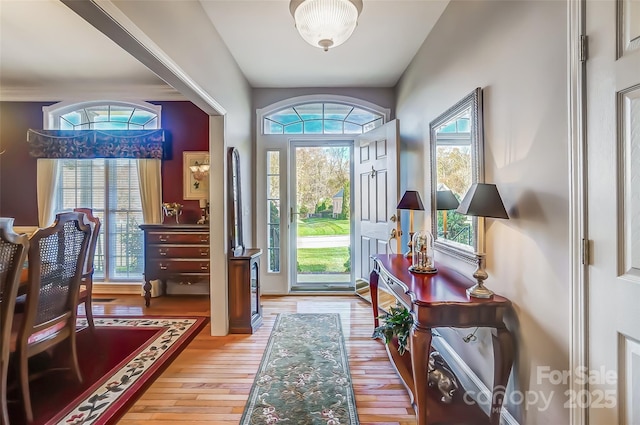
74,93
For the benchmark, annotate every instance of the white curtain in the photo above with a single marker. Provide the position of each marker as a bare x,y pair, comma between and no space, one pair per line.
150,179
47,171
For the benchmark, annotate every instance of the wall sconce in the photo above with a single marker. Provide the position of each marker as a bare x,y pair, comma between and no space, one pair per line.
445,201
482,200
200,171
410,201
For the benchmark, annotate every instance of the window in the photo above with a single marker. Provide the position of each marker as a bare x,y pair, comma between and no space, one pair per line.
321,118
273,210
109,186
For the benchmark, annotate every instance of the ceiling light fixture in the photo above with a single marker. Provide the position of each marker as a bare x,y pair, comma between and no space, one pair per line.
325,23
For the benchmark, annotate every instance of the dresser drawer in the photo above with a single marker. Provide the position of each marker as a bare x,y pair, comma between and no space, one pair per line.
178,237
160,251
177,266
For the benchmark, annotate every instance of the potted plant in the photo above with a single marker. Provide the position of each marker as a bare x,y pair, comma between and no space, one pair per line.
396,323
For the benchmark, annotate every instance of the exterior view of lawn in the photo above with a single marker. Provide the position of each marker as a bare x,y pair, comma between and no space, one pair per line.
326,259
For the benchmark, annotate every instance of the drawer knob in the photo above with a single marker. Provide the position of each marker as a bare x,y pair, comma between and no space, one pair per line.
204,267
204,252
204,238
162,252
163,267
164,238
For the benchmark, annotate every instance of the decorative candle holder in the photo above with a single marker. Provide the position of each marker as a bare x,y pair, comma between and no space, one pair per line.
422,260
172,209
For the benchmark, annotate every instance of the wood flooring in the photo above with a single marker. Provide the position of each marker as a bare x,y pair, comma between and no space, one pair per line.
209,382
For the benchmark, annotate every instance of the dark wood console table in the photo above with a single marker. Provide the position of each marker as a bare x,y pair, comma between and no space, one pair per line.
440,300
175,251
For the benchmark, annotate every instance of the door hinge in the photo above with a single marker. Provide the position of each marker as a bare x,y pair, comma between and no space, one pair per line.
584,46
586,251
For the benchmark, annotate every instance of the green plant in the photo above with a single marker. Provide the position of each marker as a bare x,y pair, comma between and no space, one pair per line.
397,323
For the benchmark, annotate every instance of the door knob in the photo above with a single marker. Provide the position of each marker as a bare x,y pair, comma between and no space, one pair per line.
393,218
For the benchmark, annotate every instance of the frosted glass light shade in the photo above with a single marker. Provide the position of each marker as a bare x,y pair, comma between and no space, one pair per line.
325,23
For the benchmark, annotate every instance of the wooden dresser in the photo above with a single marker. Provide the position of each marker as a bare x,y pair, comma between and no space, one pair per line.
175,251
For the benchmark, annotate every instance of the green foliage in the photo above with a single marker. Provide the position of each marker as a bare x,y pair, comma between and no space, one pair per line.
396,323
323,227
458,227
322,260
303,210
131,241
346,201
321,206
347,264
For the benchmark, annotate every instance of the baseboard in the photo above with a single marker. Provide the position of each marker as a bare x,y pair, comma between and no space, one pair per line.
116,288
468,379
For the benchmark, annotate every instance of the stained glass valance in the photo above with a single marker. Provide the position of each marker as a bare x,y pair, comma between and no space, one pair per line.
89,144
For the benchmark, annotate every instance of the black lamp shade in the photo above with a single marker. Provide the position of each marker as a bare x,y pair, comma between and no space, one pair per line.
483,200
446,200
411,201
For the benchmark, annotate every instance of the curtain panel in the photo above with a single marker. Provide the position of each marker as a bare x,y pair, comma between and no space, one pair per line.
90,144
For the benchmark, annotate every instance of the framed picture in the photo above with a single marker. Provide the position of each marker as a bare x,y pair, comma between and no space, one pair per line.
195,180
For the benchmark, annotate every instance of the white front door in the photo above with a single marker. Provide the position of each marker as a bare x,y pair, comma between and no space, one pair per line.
375,196
613,172
320,224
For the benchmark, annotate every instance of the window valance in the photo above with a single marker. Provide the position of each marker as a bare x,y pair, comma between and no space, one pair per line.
89,144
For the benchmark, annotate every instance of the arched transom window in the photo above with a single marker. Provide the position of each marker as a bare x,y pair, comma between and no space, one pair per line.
321,118
108,117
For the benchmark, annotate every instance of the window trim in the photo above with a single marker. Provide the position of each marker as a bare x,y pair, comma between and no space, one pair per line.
262,113
50,114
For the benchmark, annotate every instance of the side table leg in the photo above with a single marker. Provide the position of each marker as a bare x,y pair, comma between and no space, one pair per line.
420,348
373,292
503,354
147,293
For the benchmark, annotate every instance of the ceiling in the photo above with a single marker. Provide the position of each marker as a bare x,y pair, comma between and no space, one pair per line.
44,44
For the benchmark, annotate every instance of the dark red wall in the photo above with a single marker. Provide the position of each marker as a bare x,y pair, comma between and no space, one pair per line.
186,125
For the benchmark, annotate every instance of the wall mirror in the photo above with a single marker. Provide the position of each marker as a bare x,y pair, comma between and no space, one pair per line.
234,201
456,163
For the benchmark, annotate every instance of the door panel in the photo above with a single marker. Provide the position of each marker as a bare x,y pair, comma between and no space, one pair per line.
320,248
613,146
376,194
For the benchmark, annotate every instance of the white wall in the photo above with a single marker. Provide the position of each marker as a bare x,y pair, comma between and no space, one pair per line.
183,33
517,52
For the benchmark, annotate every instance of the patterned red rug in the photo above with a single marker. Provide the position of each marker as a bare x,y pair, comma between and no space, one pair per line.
119,360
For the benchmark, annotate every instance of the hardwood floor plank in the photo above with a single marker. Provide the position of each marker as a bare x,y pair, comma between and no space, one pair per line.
209,382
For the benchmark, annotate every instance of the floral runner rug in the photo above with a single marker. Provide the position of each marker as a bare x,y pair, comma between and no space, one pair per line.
304,376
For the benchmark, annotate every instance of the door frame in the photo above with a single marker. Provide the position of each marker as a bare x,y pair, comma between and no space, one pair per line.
294,143
279,283
578,213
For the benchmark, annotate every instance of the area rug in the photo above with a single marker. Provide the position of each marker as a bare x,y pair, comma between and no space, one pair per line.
304,375
118,360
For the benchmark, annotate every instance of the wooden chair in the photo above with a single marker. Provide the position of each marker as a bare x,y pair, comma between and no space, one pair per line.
56,260
86,287
13,252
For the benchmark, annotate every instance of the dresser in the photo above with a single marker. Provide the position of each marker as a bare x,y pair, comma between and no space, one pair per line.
440,300
175,251
245,312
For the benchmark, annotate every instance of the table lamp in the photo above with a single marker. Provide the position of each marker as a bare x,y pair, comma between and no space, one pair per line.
482,200
445,200
410,201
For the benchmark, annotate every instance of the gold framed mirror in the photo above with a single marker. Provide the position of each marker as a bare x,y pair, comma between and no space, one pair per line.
457,161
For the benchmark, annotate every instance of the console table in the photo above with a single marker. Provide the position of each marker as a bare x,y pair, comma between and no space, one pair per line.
440,300
175,251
